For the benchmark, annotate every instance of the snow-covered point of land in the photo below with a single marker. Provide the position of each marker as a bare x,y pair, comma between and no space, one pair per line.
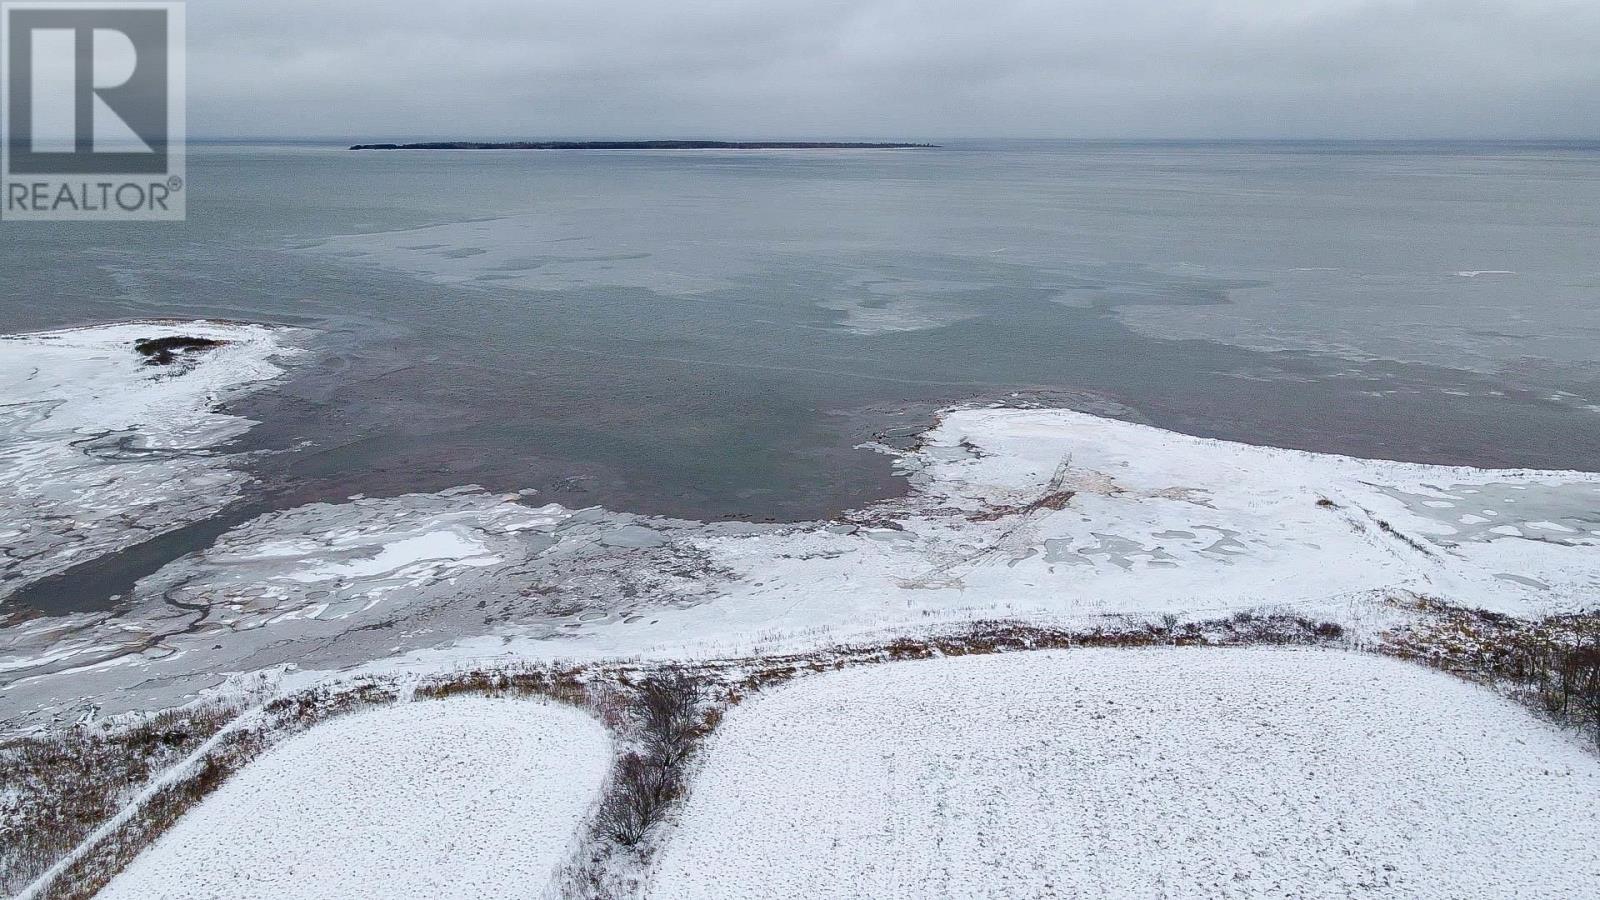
436,798
99,451
1136,773
1143,516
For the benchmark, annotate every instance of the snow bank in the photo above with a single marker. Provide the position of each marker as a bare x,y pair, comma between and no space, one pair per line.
99,451
1188,773
442,798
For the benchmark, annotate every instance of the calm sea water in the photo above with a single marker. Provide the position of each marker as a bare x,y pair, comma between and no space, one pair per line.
711,334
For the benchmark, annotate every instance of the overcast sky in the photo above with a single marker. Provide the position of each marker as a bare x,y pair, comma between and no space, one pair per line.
908,69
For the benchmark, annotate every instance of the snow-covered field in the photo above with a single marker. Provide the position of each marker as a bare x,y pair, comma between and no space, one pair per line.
477,798
99,451
1137,773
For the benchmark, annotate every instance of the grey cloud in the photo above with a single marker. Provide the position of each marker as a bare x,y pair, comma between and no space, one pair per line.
895,68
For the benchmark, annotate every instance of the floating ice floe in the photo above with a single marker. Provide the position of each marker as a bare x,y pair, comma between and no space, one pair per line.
333,561
100,449
881,306
1046,514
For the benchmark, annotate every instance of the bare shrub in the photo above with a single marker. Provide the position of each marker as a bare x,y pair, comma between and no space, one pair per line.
640,790
669,716
669,724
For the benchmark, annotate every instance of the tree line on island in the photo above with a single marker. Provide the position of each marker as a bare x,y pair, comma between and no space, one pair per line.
644,145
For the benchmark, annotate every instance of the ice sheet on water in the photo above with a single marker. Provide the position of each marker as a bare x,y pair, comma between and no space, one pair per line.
100,450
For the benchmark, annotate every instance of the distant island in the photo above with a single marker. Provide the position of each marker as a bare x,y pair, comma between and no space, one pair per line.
643,145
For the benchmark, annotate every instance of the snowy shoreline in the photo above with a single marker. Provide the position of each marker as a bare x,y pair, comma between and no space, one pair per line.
1024,513
102,450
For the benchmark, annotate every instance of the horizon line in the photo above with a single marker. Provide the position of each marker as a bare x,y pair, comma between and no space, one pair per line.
336,139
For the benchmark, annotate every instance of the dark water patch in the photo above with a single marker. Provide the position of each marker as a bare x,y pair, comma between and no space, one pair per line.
98,584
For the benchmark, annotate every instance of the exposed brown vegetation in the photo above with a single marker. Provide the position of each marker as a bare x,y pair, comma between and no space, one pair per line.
1000,636
1552,664
565,685
1052,500
88,873
60,787
1404,538
94,867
